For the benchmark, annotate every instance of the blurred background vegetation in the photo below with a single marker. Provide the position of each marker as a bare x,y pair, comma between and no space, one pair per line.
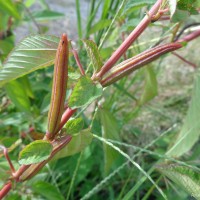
143,112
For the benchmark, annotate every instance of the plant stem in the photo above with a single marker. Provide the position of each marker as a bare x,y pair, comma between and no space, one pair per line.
190,36
65,117
78,62
184,60
5,152
136,62
129,40
6,188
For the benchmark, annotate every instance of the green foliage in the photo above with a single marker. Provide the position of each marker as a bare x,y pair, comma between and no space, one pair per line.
84,93
47,190
35,152
16,91
190,131
185,177
10,8
126,114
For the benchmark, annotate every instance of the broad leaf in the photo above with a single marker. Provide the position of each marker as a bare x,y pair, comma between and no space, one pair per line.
84,93
78,143
50,192
150,86
18,95
35,152
94,54
185,177
190,131
110,130
74,125
32,53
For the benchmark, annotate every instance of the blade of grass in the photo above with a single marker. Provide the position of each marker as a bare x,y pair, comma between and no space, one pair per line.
100,185
74,176
78,14
133,162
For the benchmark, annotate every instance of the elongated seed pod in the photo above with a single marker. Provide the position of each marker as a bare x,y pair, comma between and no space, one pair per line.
128,66
58,88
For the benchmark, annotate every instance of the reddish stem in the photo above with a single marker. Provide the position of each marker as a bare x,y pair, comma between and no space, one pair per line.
190,36
129,40
6,188
65,117
78,62
136,62
5,152
184,60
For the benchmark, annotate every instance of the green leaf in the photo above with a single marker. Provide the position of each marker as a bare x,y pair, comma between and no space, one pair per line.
47,15
133,4
74,125
180,16
17,94
84,93
190,131
9,7
50,192
35,152
94,54
172,7
78,143
150,86
100,25
188,5
26,86
32,53
110,130
185,177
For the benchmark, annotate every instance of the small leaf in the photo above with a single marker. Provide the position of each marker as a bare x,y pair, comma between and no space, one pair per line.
94,54
50,192
190,131
84,93
18,95
34,52
78,143
183,176
35,152
74,125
